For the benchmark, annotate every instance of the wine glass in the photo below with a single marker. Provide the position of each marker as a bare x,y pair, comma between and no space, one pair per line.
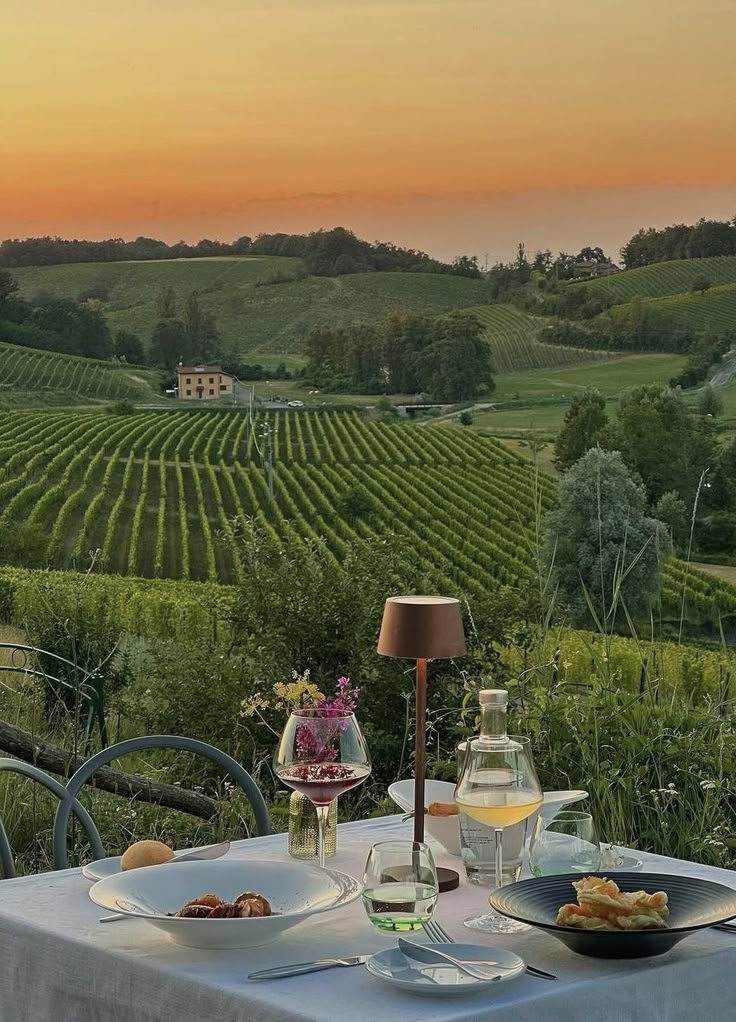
400,885
322,754
498,786
568,843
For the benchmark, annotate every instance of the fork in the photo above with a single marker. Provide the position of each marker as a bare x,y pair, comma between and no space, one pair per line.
440,936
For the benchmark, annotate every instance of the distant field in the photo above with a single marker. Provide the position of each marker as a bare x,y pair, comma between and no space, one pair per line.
715,310
669,278
258,321
32,377
513,337
549,392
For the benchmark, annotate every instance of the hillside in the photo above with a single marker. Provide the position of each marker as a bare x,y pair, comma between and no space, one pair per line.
715,310
254,319
513,337
662,279
156,493
29,377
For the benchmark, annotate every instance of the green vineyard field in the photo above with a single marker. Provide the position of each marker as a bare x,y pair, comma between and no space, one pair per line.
30,376
156,494
715,310
513,337
662,279
252,317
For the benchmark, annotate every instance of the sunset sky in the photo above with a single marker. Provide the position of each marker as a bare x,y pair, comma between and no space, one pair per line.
449,125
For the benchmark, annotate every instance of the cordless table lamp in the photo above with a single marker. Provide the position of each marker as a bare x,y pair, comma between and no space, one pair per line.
422,628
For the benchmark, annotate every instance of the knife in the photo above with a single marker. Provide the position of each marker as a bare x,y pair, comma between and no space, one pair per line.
197,854
303,967
431,956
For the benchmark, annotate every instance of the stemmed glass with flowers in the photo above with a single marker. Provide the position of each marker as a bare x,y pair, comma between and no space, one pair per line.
323,754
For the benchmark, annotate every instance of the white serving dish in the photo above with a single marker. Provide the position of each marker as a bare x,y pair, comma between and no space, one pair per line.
445,829
296,891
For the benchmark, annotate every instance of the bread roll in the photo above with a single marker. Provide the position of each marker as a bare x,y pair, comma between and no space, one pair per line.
145,853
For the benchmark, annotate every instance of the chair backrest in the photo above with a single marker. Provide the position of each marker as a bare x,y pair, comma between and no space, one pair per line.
67,794
17,766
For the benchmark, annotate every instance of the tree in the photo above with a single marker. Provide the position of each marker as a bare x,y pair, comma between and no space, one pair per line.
8,288
710,402
659,438
600,549
465,418
670,509
166,303
357,503
584,425
169,343
701,285
128,346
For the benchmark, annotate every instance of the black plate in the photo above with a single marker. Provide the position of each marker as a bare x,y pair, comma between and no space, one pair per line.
694,904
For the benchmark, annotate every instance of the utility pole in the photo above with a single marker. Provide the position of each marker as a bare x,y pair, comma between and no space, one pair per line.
267,435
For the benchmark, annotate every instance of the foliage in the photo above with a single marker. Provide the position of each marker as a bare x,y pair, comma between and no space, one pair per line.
123,407
710,402
584,425
705,238
128,347
671,510
701,285
708,351
465,418
603,556
444,356
169,344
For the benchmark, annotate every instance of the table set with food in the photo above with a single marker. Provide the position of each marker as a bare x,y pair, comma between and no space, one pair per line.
427,914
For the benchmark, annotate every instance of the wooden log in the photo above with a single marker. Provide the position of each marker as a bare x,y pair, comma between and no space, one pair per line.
32,749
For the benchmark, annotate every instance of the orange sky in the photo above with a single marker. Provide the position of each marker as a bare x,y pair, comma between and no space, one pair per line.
454,125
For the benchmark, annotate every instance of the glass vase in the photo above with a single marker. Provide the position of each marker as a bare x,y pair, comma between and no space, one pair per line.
303,830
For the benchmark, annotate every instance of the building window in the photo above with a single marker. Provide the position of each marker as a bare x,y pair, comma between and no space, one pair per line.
223,386
212,380
188,380
212,393
189,393
199,379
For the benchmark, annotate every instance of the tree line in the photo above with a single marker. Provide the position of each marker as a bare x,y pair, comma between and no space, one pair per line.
673,453
445,357
324,252
680,241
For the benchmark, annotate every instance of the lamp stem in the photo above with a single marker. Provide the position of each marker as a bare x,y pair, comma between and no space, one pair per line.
420,747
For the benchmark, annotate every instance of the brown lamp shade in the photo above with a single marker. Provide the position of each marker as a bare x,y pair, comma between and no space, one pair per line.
427,627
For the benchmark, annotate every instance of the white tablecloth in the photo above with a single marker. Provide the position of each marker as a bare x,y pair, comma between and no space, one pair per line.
58,964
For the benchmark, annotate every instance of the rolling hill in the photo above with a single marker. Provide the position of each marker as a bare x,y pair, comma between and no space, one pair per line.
30,377
513,337
256,318
155,493
662,279
714,310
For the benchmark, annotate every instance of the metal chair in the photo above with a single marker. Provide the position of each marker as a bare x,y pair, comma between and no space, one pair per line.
89,685
67,794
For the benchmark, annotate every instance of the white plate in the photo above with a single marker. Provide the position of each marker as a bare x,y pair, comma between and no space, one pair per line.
296,891
101,869
445,980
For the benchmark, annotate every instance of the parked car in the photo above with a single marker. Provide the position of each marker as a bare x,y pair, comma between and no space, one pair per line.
296,404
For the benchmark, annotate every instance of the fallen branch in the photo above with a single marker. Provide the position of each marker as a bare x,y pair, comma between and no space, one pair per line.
31,749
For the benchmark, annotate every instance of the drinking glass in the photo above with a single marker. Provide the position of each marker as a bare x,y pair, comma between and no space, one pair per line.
400,885
498,786
568,843
322,754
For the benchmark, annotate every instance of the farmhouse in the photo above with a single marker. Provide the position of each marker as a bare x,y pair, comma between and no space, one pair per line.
203,382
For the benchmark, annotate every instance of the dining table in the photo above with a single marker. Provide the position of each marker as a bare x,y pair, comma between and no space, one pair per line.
59,963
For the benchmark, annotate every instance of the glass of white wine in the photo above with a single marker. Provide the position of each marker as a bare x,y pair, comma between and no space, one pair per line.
400,885
499,787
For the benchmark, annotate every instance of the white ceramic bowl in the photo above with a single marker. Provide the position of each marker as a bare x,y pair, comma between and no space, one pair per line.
296,892
445,830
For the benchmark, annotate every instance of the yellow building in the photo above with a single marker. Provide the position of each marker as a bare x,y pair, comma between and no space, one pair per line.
203,383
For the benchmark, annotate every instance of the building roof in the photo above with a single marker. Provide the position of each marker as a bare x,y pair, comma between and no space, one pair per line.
201,369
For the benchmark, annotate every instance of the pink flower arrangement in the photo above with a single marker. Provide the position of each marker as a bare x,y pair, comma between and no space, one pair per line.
315,738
